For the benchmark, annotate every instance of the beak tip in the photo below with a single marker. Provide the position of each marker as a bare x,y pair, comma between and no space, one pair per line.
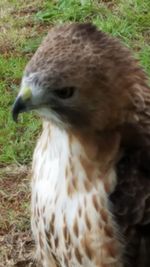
19,106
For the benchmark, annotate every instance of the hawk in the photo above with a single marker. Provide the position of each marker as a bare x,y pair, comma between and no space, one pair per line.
91,164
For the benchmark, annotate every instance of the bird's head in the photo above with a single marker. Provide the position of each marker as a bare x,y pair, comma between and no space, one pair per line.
80,77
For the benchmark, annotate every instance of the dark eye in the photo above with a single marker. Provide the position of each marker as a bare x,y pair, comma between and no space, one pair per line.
64,93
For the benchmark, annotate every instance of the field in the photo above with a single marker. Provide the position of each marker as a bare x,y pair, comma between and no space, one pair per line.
22,26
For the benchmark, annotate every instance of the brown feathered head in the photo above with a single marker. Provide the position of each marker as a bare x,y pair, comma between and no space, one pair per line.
81,77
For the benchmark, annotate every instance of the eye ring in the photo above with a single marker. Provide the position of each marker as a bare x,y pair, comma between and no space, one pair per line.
65,92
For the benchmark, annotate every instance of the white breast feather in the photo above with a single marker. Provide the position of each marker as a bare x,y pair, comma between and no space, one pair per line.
50,196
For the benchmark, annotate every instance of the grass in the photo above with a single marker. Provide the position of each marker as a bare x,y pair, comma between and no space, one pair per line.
20,34
16,46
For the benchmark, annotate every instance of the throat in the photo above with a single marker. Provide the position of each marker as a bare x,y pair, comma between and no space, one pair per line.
78,161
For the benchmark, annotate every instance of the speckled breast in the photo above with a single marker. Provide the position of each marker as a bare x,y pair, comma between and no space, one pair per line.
71,221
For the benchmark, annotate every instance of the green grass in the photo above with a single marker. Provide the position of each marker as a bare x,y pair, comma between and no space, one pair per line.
127,20
16,140
18,40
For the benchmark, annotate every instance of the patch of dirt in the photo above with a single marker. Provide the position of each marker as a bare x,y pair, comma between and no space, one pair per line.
109,3
25,11
18,23
16,244
14,197
17,249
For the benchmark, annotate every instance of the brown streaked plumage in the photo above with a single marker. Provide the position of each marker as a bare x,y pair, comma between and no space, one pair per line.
91,174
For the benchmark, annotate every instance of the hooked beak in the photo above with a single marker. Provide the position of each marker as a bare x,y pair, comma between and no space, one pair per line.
22,103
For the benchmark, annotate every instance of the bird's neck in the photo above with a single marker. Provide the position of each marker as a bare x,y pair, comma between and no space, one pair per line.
96,155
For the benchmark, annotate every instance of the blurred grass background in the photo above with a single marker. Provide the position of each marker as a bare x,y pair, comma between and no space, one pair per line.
22,27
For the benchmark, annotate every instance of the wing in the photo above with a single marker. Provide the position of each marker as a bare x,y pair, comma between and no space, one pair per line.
131,198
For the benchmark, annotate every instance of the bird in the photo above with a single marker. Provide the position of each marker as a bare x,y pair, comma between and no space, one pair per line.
90,203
